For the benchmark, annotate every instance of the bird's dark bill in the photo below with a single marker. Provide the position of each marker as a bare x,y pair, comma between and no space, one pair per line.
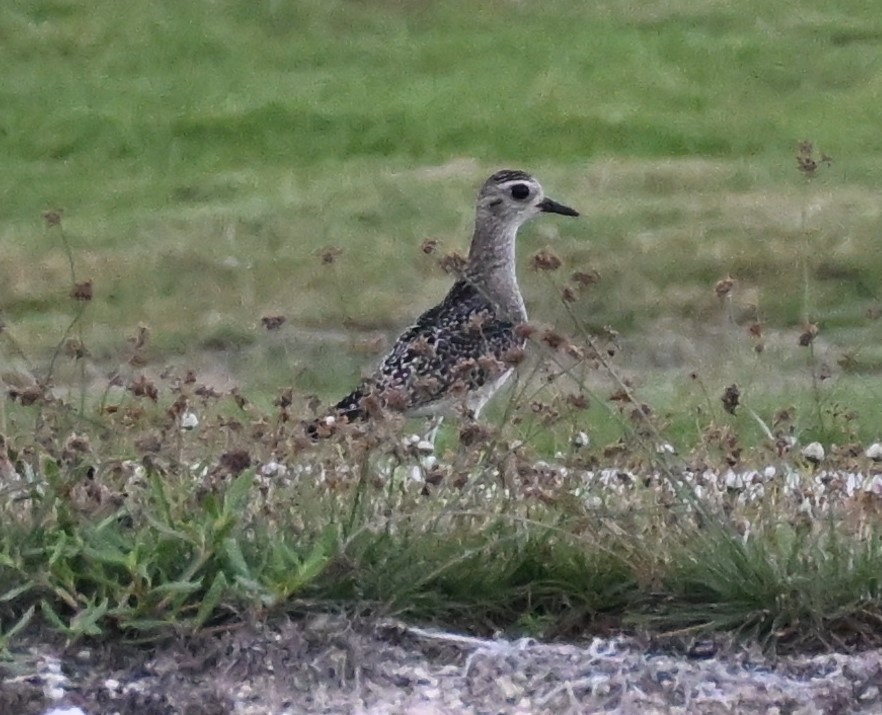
553,207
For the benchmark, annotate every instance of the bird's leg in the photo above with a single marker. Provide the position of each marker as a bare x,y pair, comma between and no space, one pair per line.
434,425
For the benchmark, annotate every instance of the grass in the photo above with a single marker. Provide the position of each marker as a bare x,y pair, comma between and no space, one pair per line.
121,520
211,160
299,126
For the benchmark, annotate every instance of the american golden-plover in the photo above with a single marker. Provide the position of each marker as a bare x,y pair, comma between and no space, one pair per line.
459,353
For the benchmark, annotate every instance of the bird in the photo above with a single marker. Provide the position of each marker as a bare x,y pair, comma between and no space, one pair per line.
459,353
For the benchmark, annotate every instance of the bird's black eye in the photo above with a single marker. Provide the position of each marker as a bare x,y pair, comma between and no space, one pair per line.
520,191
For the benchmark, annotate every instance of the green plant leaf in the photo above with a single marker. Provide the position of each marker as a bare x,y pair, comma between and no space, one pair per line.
15,592
237,493
236,558
85,622
7,636
211,600
52,616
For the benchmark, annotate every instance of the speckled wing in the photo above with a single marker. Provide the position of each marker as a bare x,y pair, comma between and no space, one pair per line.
455,347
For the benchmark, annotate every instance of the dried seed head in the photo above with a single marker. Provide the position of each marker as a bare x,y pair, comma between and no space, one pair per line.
427,386
206,392
579,401
82,291
273,322
26,395
807,165
806,161
574,351
620,395
783,416
553,339
74,349
464,367
724,287
370,345
285,398
53,217
142,387
808,334
545,260
177,407
324,428
240,399
731,398
372,405
473,433
755,331
454,263
524,330
586,279
491,365
77,443
235,462
513,356
148,444
640,413
396,399
458,388
329,254
141,339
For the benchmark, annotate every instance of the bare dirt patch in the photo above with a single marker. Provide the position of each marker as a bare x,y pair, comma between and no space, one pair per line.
330,664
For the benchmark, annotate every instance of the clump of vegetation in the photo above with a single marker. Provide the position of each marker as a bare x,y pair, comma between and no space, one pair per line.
150,501
692,445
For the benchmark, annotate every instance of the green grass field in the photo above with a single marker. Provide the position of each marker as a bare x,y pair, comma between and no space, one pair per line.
204,154
207,155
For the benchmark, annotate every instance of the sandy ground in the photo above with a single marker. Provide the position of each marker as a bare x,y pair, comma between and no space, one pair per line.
330,664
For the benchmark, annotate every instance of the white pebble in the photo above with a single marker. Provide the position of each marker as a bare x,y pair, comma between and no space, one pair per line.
189,420
874,485
874,452
733,480
54,693
425,446
581,439
813,452
273,469
410,440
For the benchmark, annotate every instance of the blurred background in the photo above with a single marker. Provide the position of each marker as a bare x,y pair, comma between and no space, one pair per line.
218,162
